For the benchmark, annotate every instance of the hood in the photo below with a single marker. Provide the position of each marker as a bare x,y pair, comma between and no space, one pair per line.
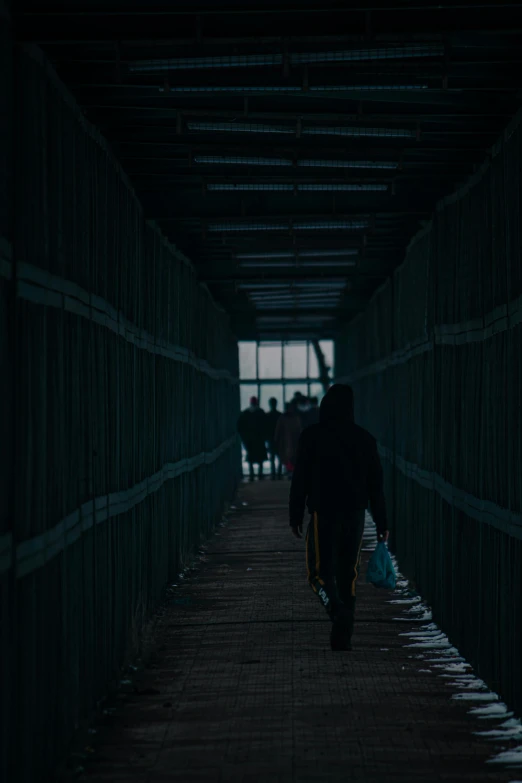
337,406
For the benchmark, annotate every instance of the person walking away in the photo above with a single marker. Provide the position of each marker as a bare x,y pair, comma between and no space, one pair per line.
251,427
272,417
337,474
312,415
286,436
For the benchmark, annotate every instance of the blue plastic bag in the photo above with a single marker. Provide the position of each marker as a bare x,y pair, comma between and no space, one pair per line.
381,572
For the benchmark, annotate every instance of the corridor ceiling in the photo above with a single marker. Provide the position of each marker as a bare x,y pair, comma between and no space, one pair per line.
290,149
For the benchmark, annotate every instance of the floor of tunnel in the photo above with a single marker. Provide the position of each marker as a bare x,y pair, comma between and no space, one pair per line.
243,685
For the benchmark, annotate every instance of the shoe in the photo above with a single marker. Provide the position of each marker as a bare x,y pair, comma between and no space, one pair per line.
342,623
339,640
346,647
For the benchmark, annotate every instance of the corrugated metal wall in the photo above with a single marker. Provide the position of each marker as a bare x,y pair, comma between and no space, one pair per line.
436,363
121,438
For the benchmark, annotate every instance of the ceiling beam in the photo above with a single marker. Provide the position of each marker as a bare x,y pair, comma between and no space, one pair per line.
490,37
407,159
304,147
154,183
284,310
196,8
375,245
232,281
498,80
450,114
197,23
115,98
292,215
194,176
84,69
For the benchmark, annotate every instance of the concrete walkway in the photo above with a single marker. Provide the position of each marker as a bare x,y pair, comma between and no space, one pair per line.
244,687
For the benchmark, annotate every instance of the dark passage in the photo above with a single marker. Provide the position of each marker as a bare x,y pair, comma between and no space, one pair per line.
205,202
243,684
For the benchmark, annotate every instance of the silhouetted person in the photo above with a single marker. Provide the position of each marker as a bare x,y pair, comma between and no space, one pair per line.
272,417
338,474
299,400
252,430
312,414
286,436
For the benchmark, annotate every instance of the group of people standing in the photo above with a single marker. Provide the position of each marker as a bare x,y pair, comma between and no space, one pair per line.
276,434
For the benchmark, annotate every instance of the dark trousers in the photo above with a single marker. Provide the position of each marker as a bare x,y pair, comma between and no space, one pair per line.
333,550
273,471
251,467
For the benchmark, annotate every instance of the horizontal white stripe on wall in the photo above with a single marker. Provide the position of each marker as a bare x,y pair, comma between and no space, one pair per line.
34,553
498,320
484,511
477,330
40,287
397,357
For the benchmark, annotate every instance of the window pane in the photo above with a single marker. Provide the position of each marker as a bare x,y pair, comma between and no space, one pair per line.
292,388
269,358
295,360
247,360
327,348
271,390
316,390
248,390
313,367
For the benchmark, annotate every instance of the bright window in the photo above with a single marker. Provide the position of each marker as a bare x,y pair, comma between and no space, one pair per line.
270,360
274,369
269,390
327,347
295,360
316,390
292,388
248,390
247,361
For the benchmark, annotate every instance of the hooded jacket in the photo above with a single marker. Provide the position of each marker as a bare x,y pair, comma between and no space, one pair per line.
337,469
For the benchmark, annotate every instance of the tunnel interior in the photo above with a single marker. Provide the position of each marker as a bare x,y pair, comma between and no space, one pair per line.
184,180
